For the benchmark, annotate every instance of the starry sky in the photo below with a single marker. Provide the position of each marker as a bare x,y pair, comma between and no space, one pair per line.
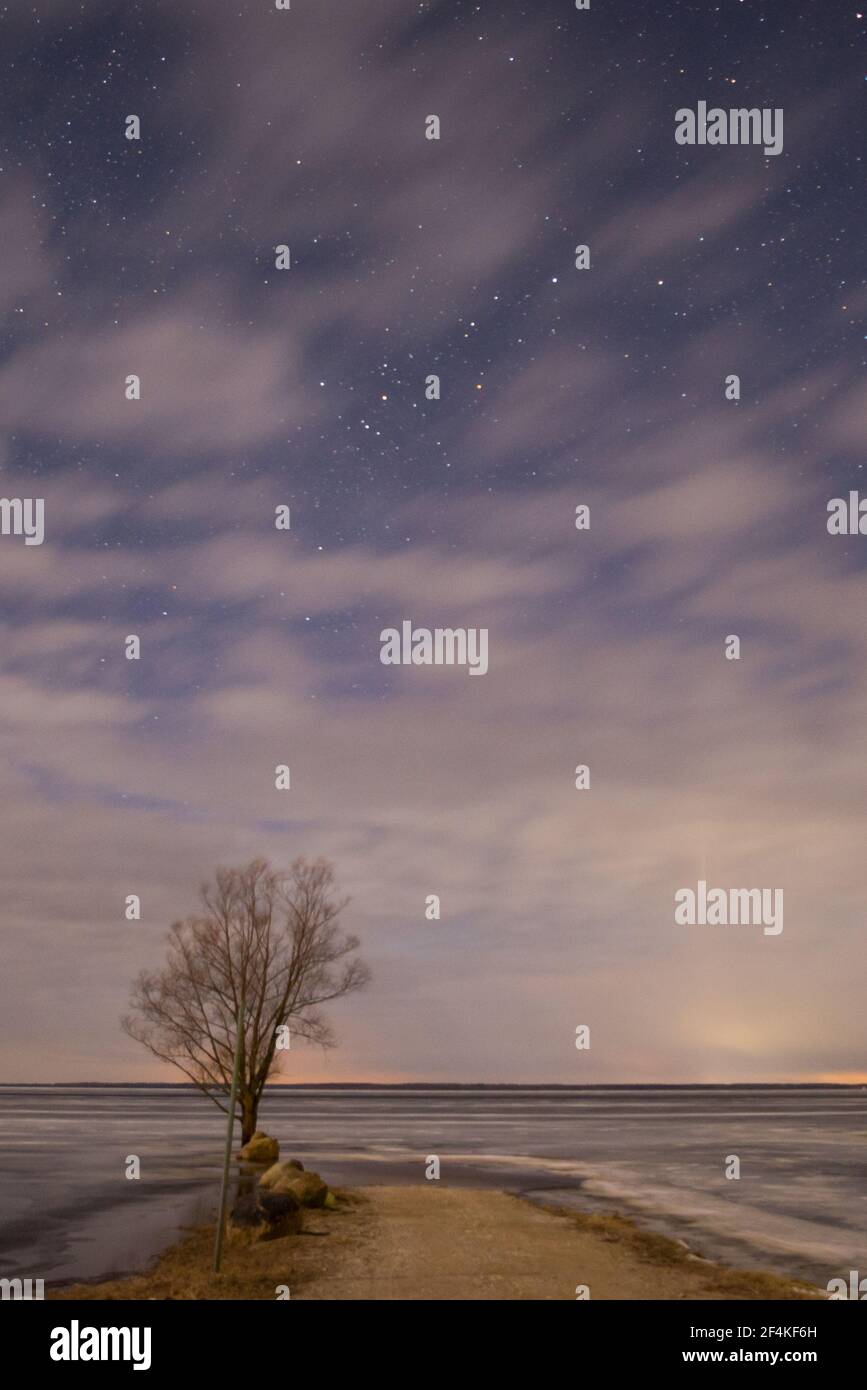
559,387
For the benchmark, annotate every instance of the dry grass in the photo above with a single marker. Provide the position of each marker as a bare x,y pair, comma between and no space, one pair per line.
710,1278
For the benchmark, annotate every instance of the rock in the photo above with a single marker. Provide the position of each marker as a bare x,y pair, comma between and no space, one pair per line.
280,1175
283,1214
267,1215
246,1213
260,1149
309,1188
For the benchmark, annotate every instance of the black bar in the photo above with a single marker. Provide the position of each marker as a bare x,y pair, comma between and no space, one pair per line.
280,1340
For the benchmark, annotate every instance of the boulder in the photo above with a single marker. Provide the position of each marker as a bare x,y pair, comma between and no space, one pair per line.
283,1214
260,1149
246,1214
309,1188
267,1215
280,1175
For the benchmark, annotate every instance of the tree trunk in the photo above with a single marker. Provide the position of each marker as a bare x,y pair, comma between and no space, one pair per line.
249,1113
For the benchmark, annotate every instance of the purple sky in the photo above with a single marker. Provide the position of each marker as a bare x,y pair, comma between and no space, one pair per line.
559,387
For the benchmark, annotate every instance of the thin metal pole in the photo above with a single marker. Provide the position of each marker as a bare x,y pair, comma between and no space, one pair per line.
224,1194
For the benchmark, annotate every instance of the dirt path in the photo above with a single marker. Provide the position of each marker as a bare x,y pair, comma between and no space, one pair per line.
455,1243
450,1243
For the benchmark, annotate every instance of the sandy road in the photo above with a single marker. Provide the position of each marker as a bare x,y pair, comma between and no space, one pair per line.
437,1242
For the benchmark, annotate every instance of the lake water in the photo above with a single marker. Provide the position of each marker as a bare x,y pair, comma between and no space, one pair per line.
800,1206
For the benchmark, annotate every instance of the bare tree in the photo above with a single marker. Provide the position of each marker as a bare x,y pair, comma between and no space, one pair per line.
270,937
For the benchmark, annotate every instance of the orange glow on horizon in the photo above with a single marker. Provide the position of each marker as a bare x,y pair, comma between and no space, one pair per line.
844,1078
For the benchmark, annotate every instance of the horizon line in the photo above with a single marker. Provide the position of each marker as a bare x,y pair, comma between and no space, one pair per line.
465,1085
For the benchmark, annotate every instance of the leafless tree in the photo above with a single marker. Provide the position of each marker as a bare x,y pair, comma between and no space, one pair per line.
273,938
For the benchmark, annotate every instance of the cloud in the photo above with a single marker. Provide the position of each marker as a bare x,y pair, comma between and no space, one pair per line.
442,784
261,647
203,386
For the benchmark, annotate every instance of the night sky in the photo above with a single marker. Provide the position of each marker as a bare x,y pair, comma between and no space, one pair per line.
559,387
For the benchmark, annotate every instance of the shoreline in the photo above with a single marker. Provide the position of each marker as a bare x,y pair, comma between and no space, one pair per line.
451,1243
